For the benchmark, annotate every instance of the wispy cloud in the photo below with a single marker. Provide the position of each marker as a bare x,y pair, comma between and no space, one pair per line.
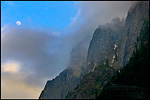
12,67
26,61
3,28
40,54
9,3
18,23
74,19
17,89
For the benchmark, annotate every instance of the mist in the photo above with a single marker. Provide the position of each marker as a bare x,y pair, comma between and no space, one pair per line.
42,54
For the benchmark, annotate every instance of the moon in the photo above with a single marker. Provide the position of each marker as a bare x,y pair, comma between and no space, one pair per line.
18,23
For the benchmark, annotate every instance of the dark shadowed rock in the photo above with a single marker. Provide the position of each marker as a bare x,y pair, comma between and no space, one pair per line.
111,44
110,49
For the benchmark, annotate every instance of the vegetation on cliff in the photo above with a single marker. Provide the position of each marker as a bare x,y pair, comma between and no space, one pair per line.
135,75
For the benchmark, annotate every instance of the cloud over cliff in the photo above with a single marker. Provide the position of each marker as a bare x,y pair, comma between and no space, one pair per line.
43,54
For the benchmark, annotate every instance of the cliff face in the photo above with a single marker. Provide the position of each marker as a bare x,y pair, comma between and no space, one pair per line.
70,77
116,40
102,60
133,80
106,44
91,83
110,49
112,44
134,21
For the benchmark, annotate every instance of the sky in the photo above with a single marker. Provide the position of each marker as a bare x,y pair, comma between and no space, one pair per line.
37,38
38,14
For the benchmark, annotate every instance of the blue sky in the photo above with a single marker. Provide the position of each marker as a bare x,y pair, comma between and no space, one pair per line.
22,78
42,14
38,47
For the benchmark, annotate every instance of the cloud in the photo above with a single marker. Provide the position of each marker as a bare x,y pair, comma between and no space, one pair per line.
17,89
32,47
101,12
18,23
42,54
3,28
12,67
9,3
74,19
28,56
92,14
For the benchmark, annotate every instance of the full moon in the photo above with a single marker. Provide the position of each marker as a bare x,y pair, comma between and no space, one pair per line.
18,23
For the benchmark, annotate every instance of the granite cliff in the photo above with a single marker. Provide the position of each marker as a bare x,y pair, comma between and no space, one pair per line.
91,68
110,49
102,60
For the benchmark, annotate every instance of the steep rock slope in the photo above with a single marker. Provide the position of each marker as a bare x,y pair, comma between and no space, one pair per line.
70,77
106,44
92,82
134,21
132,82
101,60
113,44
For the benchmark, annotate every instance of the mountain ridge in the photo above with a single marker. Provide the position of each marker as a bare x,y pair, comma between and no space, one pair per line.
110,48
101,55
